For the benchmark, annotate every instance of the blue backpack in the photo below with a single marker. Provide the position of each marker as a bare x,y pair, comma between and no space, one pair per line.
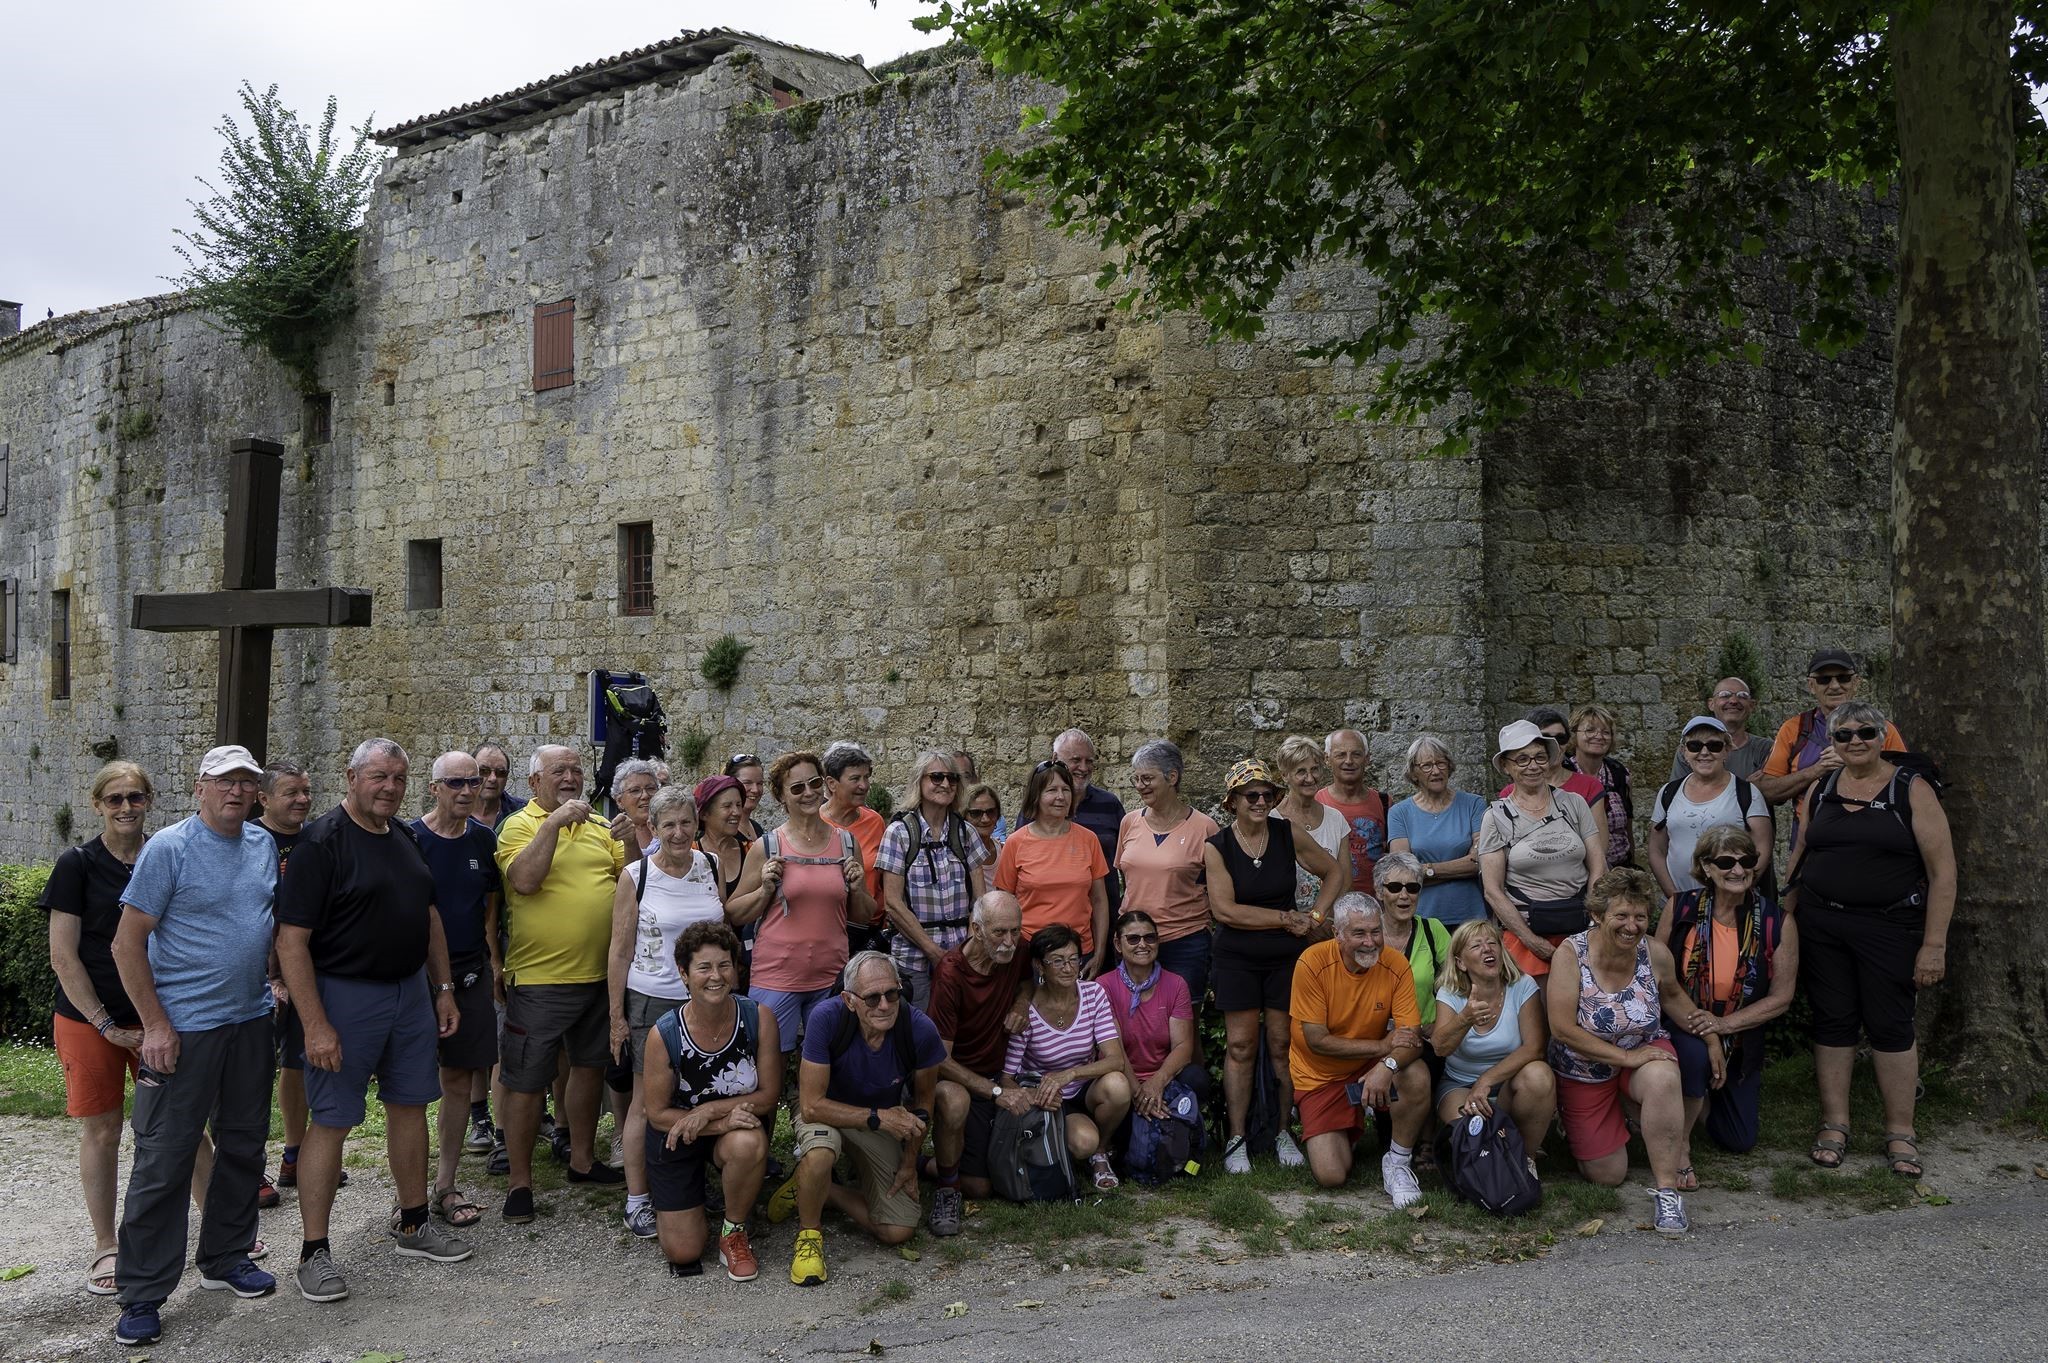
1483,1161
1161,1147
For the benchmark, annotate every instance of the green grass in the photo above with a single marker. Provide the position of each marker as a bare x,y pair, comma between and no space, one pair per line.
31,1083
1872,1188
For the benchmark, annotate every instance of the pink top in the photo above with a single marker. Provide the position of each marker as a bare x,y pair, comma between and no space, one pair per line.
1147,1028
1163,872
1041,1048
800,944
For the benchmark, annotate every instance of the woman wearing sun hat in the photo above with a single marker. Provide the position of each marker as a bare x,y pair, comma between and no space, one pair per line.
1249,866
1539,848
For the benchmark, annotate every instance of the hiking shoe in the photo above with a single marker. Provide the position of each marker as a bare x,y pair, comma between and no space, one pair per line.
287,1176
782,1203
1235,1159
501,1158
599,1172
641,1222
1288,1152
244,1280
945,1217
479,1140
1670,1212
1397,1176
558,1144
266,1193
139,1323
807,1265
434,1242
736,1256
320,1280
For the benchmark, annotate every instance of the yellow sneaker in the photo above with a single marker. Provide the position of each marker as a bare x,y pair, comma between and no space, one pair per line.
807,1265
782,1202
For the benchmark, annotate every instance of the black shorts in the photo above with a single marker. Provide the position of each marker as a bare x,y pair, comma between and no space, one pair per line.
290,1034
1856,969
675,1178
474,1046
981,1121
1242,986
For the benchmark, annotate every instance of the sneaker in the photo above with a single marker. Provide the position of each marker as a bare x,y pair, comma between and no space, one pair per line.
434,1242
139,1323
945,1217
1397,1176
736,1256
244,1280
1670,1212
479,1140
641,1222
807,1265
287,1175
501,1158
782,1203
619,1150
1235,1160
266,1193
518,1207
558,1144
599,1172
320,1280
1288,1152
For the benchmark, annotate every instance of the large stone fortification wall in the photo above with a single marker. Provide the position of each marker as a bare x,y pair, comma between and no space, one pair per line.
888,432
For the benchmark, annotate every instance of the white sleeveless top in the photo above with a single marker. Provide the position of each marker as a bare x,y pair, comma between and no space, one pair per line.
669,905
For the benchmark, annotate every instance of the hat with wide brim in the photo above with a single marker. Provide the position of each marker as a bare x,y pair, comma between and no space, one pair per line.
1519,735
1250,772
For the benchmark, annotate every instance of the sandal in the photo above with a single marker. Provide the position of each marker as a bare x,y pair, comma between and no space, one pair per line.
1828,1150
1688,1181
1905,1166
1105,1177
461,1214
98,1280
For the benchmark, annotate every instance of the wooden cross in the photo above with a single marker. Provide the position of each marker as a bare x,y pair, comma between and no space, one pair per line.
250,608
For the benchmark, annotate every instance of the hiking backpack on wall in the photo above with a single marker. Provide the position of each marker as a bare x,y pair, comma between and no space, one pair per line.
634,724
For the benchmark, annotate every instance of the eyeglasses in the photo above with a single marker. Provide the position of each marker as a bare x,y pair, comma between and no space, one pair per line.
1747,861
1731,695
1834,678
1868,733
1258,796
1705,745
804,787
1432,766
134,799
1402,887
880,997
500,772
941,778
1070,962
984,815
1530,759
459,782
234,782
1141,939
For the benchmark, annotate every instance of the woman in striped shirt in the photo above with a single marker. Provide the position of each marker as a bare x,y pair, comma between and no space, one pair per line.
1070,1039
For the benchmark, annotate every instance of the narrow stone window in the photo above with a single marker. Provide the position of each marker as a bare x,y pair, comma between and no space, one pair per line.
390,393
423,575
10,620
317,428
636,568
60,645
554,345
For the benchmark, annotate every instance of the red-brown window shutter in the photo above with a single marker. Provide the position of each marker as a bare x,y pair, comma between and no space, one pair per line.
554,345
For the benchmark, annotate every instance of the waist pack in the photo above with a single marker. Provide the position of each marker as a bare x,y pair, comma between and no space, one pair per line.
1164,1146
1027,1154
1484,1163
1554,917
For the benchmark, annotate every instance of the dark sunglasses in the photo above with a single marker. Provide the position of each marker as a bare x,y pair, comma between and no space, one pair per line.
1402,887
880,997
1560,736
1258,797
1705,745
1051,764
500,772
134,798
461,782
804,787
1747,861
984,815
941,778
1834,678
1868,733
1141,939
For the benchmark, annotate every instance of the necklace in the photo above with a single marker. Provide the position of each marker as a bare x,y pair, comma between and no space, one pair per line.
1265,845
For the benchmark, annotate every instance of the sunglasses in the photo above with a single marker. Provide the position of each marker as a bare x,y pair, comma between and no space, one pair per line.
1141,939
1705,745
1747,861
1558,737
1834,678
743,759
499,772
804,787
1051,764
460,782
941,778
1258,797
984,815
880,997
1868,733
134,799
1402,887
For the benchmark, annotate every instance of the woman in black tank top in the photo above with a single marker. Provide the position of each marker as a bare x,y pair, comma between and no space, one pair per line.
1874,884
1249,866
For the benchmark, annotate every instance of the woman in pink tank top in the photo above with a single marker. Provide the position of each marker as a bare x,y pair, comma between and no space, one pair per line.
802,884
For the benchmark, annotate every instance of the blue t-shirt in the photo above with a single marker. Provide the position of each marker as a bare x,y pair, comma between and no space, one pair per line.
211,898
863,1077
1443,837
465,871
1477,1054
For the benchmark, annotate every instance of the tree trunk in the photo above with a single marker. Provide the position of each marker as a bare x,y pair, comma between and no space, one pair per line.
1967,644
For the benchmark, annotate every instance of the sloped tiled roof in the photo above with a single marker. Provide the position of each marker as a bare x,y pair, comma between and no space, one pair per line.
683,52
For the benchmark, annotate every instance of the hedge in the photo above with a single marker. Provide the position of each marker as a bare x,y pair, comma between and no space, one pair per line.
28,990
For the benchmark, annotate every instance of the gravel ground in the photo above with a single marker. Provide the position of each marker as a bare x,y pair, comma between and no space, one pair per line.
1759,1278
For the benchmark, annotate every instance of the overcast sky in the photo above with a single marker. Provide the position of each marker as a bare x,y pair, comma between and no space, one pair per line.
111,106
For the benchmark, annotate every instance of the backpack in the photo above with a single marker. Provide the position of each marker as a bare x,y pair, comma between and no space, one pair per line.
1484,1163
634,723
1743,796
1027,1154
670,1027
772,849
1161,1147
900,1036
1270,1107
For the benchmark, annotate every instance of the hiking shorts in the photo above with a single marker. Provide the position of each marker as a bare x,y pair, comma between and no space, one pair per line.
877,1156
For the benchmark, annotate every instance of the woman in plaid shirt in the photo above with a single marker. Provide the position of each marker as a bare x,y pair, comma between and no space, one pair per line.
932,872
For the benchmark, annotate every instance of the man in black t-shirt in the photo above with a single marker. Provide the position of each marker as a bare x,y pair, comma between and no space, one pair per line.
287,800
364,956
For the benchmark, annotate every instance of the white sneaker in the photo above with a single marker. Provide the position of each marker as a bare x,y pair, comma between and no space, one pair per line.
1397,1176
1235,1160
1288,1151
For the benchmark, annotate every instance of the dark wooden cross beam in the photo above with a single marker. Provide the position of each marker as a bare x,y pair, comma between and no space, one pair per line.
250,608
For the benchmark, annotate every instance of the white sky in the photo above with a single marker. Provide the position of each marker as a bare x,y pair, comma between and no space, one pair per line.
111,106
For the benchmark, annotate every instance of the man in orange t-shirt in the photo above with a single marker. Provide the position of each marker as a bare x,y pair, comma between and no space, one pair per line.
1356,1043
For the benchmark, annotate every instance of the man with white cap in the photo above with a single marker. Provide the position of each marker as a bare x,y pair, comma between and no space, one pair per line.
193,949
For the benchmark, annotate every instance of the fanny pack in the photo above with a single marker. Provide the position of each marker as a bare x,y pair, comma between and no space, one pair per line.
1553,917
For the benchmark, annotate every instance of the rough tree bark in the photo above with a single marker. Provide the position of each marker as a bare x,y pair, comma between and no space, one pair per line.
1967,647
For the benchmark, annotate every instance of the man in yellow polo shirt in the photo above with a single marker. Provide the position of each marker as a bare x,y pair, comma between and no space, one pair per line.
1356,1043
560,865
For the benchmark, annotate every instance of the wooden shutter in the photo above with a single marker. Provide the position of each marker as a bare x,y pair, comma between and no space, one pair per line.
554,345
5,447
10,621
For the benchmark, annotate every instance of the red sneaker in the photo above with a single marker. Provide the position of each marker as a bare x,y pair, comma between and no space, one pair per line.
266,1195
737,1256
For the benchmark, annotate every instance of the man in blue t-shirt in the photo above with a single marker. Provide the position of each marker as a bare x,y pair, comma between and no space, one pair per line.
193,949
870,1066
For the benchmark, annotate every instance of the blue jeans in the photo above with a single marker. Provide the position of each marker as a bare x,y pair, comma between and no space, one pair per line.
1734,1110
1188,957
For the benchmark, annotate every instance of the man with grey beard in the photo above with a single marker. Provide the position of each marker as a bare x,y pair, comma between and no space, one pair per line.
976,991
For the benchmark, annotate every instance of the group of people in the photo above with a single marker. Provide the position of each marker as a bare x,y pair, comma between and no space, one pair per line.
1425,960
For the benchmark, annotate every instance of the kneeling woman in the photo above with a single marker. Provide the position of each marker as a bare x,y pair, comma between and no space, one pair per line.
1738,957
1490,1032
1070,1040
710,1101
1605,995
1155,1016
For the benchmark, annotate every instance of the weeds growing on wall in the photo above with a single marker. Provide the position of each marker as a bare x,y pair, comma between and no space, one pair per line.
721,665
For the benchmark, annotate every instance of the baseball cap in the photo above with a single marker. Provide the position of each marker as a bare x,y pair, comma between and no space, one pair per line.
227,758
1703,722
1832,657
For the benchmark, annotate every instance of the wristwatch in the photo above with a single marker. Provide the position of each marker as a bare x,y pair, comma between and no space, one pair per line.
1389,1062
874,1119
995,1090
447,988
1429,870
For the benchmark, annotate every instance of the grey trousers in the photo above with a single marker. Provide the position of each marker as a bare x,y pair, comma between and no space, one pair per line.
223,1080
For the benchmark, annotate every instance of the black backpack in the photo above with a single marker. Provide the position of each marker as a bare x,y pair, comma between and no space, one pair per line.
1742,798
1162,1147
1483,1161
1027,1154
634,724
899,1035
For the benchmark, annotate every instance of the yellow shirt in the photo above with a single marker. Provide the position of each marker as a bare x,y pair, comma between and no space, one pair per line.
561,933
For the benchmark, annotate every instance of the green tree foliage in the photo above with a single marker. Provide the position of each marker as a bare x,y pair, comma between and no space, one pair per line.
274,253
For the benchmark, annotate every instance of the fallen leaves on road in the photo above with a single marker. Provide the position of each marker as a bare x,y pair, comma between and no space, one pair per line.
874,1349
1169,1295
1028,1304
8,1275
954,1310
547,1301
1418,1211
1592,1227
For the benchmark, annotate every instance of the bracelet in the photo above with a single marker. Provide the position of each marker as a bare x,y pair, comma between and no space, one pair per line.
105,1024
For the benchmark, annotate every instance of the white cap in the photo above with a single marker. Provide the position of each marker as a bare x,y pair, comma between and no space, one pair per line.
231,757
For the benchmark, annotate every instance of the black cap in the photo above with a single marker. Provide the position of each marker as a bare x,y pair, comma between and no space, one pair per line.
1832,657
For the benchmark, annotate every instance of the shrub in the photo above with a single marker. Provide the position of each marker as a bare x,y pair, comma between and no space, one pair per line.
27,988
721,665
